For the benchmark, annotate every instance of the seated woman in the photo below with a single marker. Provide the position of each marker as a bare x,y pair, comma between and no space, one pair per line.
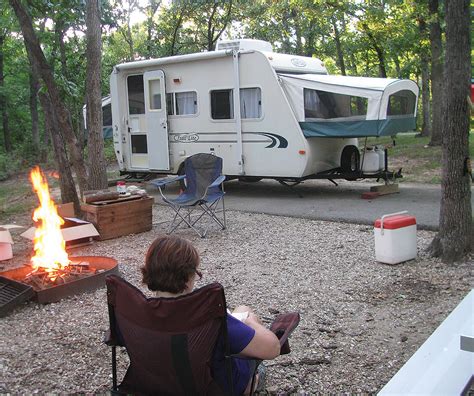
171,269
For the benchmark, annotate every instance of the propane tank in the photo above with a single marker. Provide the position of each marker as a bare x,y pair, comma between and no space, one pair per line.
381,153
371,161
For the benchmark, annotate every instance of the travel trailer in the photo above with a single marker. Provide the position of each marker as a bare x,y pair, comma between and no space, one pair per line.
106,117
268,115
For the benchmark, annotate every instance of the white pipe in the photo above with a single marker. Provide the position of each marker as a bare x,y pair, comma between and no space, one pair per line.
238,119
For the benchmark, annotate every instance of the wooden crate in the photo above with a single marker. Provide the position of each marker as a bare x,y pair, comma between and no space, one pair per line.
121,218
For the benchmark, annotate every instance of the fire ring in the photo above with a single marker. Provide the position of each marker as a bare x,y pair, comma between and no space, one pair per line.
103,266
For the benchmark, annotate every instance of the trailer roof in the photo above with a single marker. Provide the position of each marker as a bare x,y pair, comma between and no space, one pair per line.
363,83
280,62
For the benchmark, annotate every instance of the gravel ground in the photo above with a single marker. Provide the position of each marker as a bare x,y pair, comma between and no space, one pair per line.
360,320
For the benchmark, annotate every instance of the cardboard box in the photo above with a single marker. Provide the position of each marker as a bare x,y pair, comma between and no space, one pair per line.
6,241
66,210
75,232
120,218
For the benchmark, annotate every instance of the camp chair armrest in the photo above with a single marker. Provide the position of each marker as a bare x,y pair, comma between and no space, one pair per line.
217,182
163,182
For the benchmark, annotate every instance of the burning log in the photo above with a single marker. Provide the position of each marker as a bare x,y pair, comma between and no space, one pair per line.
41,280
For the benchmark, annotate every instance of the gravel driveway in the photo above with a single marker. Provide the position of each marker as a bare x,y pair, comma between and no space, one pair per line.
361,320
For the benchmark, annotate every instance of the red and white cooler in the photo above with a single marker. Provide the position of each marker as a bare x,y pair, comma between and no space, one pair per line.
395,238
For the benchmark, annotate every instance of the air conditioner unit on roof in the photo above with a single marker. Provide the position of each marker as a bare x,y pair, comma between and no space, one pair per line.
244,44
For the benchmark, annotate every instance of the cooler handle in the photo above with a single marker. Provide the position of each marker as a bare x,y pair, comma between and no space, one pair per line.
388,215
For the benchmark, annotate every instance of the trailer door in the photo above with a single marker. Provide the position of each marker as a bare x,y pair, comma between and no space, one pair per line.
156,120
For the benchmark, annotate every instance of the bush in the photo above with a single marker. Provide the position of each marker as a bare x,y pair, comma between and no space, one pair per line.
109,151
9,164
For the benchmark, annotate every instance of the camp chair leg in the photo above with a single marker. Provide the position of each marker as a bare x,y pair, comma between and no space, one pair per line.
114,368
174,224
211,211
184,218
223,213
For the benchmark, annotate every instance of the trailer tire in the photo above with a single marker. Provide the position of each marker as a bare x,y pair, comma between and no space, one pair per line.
350,160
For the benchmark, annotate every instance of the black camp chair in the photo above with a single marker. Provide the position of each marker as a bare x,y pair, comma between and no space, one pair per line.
170,341
204,190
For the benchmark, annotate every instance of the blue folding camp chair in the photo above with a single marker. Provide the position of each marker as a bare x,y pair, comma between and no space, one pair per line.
204,190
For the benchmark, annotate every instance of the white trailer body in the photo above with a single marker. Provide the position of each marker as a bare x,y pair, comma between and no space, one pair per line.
238,104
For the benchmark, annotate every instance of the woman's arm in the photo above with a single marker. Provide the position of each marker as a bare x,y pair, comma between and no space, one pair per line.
265,344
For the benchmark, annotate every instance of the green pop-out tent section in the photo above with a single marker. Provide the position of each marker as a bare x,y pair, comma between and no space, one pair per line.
344,106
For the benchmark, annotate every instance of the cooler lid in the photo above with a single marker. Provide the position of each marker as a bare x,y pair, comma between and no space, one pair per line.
394,222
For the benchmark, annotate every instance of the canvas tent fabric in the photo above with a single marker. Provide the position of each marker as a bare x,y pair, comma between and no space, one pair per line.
375,91
354,129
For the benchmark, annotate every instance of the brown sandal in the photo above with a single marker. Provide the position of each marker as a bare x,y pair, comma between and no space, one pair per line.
283,326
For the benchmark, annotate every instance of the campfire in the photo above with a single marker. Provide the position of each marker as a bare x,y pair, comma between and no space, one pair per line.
50,263
51,272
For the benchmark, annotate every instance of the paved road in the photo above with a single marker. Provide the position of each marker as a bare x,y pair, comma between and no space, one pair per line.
321,200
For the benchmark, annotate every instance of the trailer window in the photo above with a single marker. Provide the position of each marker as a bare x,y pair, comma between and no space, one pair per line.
250,103
169,103
401,103
107,115
155,94
186,103
326,105
222,105
136,96
139,145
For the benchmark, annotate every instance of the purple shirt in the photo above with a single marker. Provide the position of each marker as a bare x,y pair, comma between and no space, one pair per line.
240,336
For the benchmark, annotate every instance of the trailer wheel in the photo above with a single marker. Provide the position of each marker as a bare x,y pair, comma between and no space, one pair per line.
350,160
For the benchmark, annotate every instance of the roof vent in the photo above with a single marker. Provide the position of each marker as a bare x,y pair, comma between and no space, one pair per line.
244,44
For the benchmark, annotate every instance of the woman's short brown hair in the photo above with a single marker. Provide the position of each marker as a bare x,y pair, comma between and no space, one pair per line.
169,264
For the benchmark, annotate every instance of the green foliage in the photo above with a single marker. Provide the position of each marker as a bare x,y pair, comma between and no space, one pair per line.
109,151
9,164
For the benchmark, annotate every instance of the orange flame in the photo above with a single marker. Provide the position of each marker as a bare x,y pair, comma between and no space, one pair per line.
49,245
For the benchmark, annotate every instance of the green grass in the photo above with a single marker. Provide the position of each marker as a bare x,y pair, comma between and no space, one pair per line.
15,198
419,162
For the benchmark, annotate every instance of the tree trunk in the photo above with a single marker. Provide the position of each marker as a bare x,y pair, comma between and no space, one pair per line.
61,113
210,29
453,240
378,51
175,33
3,102
294,12
95,142
66,181
398,69
425,97
59,38
151,11
437,77
425,84
353,64
340,54
34,88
